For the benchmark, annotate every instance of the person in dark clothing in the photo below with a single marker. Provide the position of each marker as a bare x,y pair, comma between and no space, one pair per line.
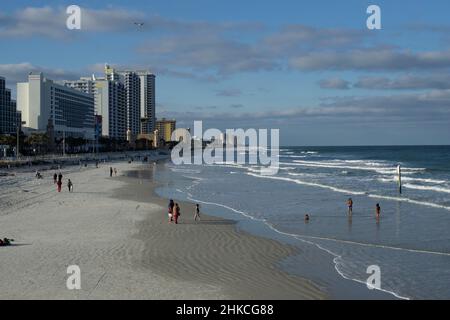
110,171
55,177
170,210
70,185
60,176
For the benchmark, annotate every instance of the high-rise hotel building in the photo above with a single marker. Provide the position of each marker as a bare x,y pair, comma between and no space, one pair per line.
125,101
71,111
10,118
140,98
147,92
110,103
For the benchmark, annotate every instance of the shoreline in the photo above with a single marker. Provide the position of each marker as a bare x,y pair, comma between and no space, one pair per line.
244,265
307,260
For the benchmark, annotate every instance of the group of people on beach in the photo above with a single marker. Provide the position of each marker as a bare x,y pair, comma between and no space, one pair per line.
5,242
350,210
174,212
111,171
57,179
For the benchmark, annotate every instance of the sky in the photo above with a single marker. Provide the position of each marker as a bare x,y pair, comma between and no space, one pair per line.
309,68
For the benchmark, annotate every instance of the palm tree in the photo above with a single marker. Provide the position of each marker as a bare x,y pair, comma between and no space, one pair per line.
7,140
37,141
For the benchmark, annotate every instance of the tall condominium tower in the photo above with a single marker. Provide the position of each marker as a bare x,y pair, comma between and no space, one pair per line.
131,81
10,118
147,91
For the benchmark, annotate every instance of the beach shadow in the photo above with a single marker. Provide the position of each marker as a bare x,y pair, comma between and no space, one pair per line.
16,245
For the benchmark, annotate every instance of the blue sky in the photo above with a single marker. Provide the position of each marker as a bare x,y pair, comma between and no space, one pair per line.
310,68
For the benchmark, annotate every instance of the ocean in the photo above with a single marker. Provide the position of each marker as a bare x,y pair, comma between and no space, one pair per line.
410,243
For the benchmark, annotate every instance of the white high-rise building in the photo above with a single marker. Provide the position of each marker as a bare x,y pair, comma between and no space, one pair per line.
70,111
140,98
110,103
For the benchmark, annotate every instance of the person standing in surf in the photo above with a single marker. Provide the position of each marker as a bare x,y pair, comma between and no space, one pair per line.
377,211
350,206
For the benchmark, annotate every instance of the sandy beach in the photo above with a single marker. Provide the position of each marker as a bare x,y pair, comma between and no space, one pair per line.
115,229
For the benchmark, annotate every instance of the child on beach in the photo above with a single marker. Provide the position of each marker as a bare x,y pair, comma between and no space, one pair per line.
70,185
306,218
197,212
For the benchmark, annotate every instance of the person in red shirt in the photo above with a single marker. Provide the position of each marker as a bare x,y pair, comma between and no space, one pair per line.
176,213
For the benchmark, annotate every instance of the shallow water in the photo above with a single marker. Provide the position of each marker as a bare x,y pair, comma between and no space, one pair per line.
410,243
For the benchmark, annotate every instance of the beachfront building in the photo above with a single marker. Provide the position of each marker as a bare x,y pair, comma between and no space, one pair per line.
110,103
139,96
147,100
165,128
131,81
10,118
70,111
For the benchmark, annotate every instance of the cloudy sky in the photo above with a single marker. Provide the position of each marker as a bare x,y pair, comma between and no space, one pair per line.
310,68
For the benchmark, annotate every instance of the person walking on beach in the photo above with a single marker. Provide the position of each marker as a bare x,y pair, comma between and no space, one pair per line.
170,210
60,176
176,213
115,172
197,212
55,176
350,206
377,211
70,185
110,171
59,184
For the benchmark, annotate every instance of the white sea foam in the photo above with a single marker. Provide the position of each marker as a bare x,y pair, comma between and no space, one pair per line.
332,165
319,185
426,188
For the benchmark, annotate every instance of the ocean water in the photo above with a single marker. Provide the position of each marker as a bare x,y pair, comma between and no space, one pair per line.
410,243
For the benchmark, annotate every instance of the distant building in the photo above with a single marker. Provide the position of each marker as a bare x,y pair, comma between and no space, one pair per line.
10,118
125,100
147,100
139,96
131,81
70,111
165,128
110,103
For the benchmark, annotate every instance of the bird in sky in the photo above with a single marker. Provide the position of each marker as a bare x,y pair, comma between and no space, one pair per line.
139,24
